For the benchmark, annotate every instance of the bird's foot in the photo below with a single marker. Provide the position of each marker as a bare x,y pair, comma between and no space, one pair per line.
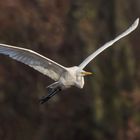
51,94
43,99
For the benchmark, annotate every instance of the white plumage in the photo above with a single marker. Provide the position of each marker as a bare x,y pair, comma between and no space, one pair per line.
108,44
65,77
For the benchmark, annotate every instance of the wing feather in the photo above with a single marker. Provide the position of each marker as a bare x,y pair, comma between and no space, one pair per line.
34,60
108,44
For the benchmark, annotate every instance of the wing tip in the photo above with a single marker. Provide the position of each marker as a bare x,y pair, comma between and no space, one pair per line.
136,23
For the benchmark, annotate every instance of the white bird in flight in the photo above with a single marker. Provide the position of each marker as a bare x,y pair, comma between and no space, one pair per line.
64,77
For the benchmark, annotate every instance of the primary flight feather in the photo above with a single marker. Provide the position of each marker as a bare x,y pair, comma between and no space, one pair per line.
108,44
65,77
35,60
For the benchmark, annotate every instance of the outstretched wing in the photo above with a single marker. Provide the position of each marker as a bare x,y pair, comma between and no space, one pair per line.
34,60
108,44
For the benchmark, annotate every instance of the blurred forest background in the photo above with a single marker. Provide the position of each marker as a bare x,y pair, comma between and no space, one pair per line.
67,31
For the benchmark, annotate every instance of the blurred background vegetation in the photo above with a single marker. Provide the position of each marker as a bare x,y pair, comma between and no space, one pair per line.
67,31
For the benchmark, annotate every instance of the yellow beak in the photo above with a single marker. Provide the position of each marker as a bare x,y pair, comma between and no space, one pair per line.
86,73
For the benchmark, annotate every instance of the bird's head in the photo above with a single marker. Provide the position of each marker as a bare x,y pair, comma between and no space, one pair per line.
80,78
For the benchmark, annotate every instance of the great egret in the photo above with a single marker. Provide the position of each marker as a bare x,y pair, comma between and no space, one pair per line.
64,77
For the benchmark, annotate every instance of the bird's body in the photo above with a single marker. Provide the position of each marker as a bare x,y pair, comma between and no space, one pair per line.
64,77
72,77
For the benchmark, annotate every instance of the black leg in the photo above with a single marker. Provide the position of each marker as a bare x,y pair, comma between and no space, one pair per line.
51,94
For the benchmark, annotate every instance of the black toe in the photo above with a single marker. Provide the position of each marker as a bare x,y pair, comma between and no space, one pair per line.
43,100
